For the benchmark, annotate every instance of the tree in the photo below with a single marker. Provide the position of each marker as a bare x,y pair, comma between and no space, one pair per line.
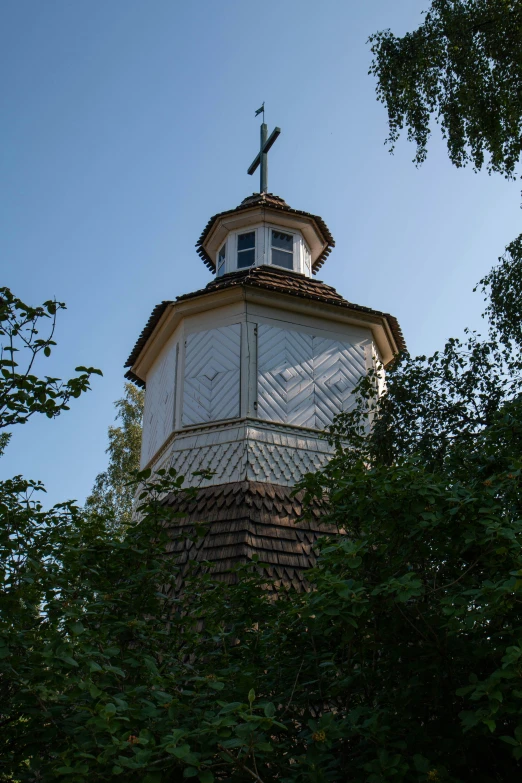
462,68
22,394
429,574
112,493
93,671
94,680
403,662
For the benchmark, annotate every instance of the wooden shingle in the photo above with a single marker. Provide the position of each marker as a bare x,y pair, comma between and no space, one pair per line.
254,525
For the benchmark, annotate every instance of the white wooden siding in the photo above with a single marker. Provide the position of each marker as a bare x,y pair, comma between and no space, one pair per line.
212,375
338,367
158,415
285,376
305,379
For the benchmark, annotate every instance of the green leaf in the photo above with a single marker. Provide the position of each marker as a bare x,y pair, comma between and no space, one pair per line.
510,741
421,763
206,776
190,772
235,742
80,770
180,751
232,707
68,659
269,710
251,696
176,735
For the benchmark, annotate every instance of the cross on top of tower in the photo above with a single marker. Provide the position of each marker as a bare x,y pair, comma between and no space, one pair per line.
261,158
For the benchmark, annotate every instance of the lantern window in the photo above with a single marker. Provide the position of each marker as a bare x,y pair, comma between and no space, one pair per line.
282,249
246,249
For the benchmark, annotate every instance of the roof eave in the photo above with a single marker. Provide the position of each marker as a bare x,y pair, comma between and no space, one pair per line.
166,316
320,226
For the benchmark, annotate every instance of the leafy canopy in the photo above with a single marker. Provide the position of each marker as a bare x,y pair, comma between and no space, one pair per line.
462,68
403,662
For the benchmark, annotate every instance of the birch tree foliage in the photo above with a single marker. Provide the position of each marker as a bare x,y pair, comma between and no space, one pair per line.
112,493
461,68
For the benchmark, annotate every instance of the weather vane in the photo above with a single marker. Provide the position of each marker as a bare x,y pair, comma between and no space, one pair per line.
261,158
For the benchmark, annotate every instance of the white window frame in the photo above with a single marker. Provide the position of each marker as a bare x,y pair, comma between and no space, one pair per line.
263,249
306,259
295,246
248,230
221,268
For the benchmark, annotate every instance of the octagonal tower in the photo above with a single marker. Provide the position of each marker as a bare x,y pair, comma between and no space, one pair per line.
243,376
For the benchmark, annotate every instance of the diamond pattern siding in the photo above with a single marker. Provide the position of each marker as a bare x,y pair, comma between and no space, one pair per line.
285,376
337,369
226,460
281,464
211,388
305,380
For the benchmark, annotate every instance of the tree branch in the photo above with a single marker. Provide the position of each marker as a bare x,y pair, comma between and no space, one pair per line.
241,764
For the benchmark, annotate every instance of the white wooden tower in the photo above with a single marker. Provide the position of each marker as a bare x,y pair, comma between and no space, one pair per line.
243,376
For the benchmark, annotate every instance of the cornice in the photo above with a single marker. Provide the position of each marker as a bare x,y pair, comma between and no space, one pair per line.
176,312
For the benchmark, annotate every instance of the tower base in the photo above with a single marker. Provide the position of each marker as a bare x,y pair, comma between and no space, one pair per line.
242,520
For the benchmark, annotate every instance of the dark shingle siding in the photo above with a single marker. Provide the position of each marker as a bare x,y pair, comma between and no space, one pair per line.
244,520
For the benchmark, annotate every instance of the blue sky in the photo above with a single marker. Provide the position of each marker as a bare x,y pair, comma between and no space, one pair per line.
128,123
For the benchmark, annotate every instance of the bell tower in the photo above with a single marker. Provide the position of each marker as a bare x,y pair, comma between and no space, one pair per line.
243,376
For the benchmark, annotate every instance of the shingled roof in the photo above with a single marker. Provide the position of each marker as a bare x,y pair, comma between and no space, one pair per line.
270,202
272,279
244,519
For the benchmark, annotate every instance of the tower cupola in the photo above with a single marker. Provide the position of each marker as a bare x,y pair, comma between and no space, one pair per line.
264,231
